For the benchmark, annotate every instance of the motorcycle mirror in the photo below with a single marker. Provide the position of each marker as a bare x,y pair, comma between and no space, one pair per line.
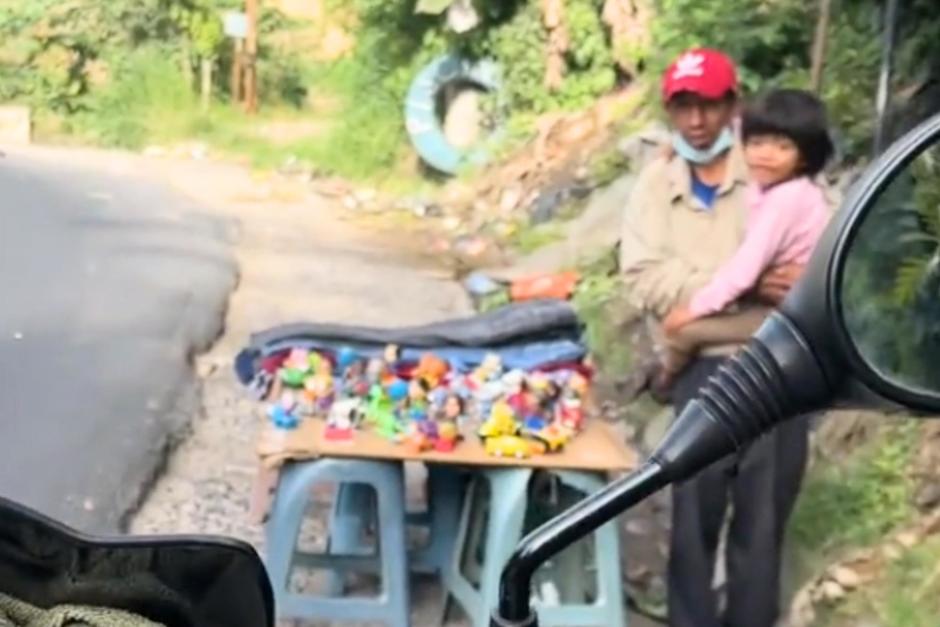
862,327
186,581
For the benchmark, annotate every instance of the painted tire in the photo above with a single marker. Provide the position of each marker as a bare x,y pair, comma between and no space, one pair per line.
424,129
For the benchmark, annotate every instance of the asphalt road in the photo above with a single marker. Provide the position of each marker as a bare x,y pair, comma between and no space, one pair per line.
107,285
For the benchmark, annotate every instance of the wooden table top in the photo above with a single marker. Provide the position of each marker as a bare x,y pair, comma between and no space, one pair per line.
597,448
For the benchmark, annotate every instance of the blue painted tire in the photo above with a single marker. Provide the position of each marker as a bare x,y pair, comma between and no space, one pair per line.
425,130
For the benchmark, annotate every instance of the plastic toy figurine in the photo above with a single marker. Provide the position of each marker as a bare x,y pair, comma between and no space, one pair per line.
488,371
282,412
345,358
551,436
447,436
375,371
431,369
296,368
570,413
513,446
344,416
518,394
381,413
502,421
391,359
418,400
354,380
421,435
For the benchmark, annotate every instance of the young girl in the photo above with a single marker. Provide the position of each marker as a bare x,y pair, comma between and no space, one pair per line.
786,144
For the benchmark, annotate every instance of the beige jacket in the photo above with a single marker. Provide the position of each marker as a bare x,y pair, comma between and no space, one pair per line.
671,246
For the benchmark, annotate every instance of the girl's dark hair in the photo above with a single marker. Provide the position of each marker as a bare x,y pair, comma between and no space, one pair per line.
796,114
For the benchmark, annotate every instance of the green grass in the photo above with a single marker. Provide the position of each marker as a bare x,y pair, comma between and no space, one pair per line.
907,594
595,299
856,501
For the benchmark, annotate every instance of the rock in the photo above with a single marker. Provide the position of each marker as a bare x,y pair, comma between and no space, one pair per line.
846,577
891,552
928,495
907,539
638,574
350,202
509,199
452,223
155,151
205,369
365,196
638,527
832,591
582,174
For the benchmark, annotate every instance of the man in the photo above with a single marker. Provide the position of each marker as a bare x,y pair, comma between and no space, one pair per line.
687,216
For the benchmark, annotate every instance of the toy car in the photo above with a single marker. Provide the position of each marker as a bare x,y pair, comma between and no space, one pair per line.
552,437
513,446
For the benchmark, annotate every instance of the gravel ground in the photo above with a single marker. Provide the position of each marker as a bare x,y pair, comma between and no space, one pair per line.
297,262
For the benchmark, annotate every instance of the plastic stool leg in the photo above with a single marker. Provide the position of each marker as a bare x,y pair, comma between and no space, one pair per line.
352,509
508,503
445,496
393,550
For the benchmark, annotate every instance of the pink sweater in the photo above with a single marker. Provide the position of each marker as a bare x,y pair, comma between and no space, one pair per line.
783,225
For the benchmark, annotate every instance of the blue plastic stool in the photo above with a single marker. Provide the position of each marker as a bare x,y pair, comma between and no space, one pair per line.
501,520
353,514
389,560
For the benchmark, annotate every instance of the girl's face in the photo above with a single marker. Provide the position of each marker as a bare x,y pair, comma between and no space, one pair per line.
772,159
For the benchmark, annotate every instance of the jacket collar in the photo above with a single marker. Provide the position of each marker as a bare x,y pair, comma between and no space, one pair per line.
680,175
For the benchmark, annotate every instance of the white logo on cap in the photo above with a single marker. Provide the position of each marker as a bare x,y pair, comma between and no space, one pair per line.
689,64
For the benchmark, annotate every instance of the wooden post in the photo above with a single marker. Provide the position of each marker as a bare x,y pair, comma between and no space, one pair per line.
235,82
820,40
251,56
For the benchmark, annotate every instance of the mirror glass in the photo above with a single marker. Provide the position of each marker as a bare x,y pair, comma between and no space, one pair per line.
891,278
177,582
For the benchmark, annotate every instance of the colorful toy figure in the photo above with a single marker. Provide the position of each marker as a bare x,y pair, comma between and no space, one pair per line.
345,358
431,369
570,413
296,368
354,380
417,400
421,435
502,421
391,359
282,412
447,436
344,416
381,413
551,436
488,371
517,393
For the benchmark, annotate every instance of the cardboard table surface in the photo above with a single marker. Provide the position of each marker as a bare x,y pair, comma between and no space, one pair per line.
596,448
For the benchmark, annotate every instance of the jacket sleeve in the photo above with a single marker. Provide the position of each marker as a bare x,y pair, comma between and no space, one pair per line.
655,280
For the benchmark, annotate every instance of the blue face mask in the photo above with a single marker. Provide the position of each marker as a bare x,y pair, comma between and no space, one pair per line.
700,157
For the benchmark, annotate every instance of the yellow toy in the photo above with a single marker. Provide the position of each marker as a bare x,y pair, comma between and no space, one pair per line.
513,446
502,421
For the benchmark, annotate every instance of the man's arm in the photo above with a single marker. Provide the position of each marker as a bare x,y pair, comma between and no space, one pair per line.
655,281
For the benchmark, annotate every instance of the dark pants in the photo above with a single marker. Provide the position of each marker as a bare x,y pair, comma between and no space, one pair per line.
762,484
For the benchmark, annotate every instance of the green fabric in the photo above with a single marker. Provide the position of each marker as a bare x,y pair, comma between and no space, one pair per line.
15,613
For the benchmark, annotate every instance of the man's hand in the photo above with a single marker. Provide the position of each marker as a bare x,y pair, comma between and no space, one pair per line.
776,283
676,319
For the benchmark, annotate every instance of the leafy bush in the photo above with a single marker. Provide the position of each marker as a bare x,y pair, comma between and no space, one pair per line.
146,99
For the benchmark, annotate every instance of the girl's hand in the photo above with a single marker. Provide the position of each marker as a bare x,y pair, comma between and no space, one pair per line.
676,319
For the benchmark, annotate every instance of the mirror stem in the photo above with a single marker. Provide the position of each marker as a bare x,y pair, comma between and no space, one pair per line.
775,377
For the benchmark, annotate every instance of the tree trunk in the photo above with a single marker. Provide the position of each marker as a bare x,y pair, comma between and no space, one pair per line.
251,56
820,39
205,66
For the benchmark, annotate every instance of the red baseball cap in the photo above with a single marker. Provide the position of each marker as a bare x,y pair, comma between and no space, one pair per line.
703,71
